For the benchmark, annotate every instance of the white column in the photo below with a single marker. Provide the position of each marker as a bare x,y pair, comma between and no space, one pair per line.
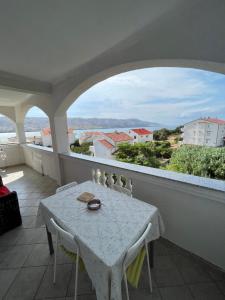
59,131
20,132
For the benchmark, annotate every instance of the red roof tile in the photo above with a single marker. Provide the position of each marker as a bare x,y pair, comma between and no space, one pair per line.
90,133
142,131
46,131
106,144
119,136
217,121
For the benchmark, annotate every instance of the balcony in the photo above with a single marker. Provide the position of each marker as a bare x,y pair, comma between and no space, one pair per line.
26,265
74,47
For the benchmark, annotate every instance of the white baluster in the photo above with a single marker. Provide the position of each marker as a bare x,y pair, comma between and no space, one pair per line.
98,176
103,178
129,185
110,180
119,181
93,175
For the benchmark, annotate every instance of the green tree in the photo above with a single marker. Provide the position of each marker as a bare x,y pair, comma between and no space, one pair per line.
199,160
139,153
161,134
82,149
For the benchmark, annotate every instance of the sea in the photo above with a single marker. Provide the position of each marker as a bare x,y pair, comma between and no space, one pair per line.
77,132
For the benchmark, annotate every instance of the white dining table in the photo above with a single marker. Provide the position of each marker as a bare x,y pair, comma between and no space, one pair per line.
103,235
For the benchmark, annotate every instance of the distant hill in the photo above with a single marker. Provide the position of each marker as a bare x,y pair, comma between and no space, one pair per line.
37,123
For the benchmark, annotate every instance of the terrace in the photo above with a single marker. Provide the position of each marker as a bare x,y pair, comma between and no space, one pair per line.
26,270
75,52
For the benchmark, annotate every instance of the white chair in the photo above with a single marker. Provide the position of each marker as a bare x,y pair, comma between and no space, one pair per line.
114,181
66,186
132,253
66,239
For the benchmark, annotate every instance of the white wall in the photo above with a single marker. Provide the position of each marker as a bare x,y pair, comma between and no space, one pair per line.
11,155
193,214
102,151
41,159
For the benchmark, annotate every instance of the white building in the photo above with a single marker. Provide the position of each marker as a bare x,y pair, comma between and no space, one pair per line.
141,135
46,137
204,132
109,144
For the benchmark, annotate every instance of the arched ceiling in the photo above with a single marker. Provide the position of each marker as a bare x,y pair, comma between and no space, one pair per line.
45,39
12,98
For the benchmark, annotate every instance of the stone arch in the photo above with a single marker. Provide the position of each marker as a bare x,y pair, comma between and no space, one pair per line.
81,86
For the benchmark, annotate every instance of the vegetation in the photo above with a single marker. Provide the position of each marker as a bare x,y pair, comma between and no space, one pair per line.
145,154
77,148
199,160
164,133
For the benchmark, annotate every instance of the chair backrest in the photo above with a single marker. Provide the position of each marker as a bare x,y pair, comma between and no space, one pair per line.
65,238
66,186
114,181
133,251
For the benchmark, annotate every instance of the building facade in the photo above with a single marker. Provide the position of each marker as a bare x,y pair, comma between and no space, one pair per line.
204,132
141,135
106,146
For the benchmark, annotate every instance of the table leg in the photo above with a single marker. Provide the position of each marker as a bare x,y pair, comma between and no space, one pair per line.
50,244
151,254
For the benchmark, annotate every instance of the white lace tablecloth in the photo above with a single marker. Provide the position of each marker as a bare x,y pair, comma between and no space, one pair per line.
103,235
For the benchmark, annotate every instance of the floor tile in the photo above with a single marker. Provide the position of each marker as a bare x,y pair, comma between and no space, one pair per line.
14,256
26,284
206,291
221,286
28,211
11,237
194,275
177,292
6,279
143,294
84,284
29,222
59,289
168,277
39,256
32,236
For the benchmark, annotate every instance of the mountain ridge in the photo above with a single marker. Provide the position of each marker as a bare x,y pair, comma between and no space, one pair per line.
37,123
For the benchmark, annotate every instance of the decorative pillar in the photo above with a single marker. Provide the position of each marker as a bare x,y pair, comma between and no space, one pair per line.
59,131
20,133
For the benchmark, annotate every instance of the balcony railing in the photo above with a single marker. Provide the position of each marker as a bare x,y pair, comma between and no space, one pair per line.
192,207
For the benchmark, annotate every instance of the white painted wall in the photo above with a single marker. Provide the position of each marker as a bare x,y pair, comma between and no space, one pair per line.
11,155
41,159
101,151
140,138
193,214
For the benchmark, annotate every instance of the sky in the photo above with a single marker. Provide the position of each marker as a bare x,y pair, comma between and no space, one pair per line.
170,96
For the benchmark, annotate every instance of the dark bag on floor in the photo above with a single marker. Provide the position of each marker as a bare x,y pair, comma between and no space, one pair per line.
9,212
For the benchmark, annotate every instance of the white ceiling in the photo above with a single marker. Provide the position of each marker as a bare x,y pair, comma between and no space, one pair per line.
45,39
12,98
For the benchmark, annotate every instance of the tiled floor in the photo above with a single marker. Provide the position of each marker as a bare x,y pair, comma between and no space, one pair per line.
26,266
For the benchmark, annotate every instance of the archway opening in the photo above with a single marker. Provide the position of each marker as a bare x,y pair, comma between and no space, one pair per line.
170,115
37,127
7,130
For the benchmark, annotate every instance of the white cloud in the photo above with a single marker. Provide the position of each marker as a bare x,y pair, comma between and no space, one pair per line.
163,95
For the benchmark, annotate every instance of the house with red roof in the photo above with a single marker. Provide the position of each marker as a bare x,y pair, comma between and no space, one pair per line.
108,144
90,136
204,132
141,135
46,137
